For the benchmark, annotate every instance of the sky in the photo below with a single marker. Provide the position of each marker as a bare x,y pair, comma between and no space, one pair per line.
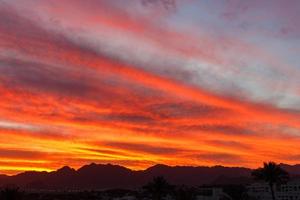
142,82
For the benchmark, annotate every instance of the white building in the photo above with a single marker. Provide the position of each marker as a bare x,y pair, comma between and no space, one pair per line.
212,193
126,198
289,191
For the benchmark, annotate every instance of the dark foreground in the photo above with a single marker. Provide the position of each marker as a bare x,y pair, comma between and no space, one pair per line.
156,192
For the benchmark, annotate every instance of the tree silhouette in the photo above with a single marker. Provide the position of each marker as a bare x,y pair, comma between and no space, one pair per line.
158,188
272,174
184,193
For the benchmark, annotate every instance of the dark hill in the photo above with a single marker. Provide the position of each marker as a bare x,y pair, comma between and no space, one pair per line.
99,176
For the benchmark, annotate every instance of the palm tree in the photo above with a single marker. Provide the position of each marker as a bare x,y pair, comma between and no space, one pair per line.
272,174
158,188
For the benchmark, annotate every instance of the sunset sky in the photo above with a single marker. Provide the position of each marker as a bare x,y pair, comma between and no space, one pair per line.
137,82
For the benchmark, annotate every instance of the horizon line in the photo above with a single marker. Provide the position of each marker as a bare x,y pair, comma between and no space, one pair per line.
144,169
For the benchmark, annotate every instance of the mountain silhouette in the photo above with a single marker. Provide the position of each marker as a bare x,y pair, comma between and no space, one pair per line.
100,176
292,169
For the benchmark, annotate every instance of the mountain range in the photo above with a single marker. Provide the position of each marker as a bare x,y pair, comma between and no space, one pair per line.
100,176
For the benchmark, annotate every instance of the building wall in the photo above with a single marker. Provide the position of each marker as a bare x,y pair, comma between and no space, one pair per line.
289,191
211,194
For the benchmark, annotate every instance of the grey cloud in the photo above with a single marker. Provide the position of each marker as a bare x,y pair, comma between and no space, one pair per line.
184,109
226,129
114,117
45,78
